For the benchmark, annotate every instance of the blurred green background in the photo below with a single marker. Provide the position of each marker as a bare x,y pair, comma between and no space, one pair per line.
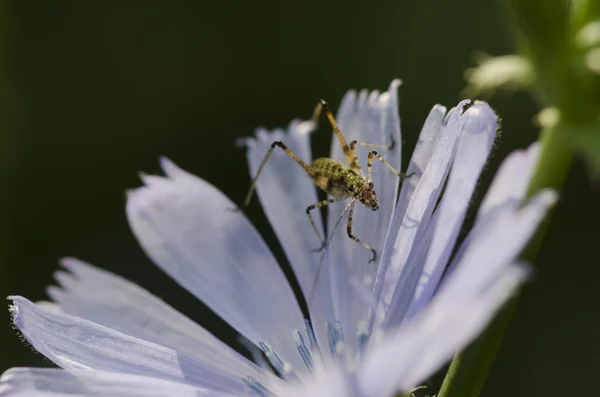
93,92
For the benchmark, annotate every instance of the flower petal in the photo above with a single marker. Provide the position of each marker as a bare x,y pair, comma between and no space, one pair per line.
424,150
498,240
113,302
371,118
512,178
411,354
285,191
473,148
189,229
508,188
75,343
52,382
410,245
495,242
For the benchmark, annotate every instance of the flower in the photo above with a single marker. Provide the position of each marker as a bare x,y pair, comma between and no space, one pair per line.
375,328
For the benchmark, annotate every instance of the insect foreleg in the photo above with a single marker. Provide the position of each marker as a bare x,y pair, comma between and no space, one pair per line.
353,237
287,151
312,207
372,153
367,144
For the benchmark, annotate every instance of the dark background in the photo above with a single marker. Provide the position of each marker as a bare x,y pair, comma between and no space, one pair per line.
94,92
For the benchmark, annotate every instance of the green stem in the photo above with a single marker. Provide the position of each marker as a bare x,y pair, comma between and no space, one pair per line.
555,160
469,369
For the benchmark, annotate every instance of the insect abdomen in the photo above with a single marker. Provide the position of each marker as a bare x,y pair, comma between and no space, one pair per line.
334,177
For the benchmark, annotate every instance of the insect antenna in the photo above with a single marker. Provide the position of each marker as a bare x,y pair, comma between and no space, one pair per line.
329,237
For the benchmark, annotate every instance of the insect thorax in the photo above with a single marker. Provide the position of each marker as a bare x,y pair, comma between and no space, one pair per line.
336,179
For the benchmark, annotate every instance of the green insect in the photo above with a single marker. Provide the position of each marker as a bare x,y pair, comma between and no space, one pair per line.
339,181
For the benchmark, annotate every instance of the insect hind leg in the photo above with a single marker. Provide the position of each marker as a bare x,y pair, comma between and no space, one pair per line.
350,155
287,151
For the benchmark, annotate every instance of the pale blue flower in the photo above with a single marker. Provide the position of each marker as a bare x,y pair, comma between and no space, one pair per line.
375,328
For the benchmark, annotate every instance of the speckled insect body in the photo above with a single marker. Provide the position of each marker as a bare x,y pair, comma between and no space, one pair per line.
341,183
338,180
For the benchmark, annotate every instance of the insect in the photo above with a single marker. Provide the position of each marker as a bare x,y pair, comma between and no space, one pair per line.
338,180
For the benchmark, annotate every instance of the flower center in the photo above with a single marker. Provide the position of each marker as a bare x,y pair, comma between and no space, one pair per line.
309,351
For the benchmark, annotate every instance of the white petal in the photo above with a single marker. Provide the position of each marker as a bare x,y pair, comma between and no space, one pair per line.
113,302
372,118
285,191
411,354
508,188
75,343
49,306
57,382
188,228
410,245
479,131
498,240
512,178
424,149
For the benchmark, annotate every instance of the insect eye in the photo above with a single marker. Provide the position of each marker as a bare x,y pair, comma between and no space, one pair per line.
371,185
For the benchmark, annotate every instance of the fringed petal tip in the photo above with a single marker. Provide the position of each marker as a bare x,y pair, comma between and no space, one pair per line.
244,142
392,92
395,84
67,261
67,278
64,279
262,135
302,127
171,169
14,310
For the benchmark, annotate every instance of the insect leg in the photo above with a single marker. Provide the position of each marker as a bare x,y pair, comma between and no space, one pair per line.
287,151
372,153
353,237
382,147
312,222
350,155
312,292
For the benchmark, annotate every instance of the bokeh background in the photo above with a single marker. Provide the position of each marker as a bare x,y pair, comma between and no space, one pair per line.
93,92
